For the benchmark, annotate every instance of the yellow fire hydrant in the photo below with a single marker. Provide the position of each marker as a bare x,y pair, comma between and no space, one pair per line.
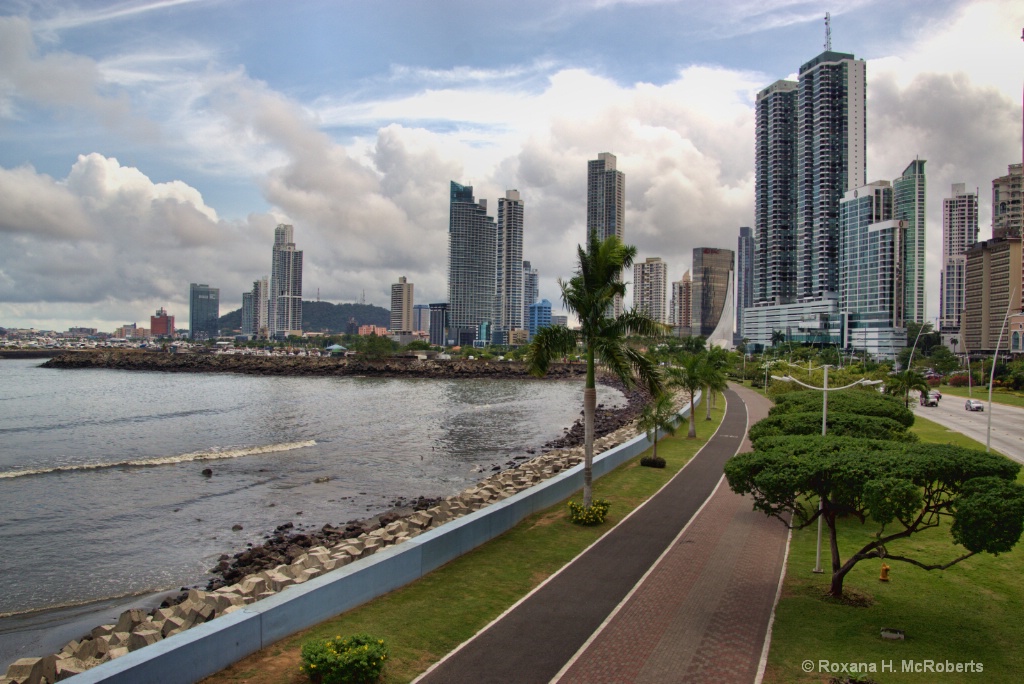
884,577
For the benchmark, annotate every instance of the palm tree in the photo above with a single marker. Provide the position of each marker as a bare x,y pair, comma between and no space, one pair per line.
659,414
687,374
903,382
589,294
716,359
778,337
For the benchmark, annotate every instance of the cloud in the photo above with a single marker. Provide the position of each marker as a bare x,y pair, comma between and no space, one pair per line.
59,80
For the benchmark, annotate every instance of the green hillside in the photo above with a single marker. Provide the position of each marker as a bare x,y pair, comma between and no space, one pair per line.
323,317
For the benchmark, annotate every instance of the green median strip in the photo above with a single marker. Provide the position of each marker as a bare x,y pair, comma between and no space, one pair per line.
969,613
427,619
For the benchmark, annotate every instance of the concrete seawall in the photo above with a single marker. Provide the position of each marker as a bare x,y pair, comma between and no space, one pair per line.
207,648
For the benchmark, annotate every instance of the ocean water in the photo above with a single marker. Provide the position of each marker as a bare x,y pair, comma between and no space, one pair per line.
101,485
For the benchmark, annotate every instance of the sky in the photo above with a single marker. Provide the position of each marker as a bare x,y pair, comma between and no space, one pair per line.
147,144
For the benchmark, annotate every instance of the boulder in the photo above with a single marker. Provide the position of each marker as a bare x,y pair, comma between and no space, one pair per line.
32,670
68,667
118,652
143,637
130,619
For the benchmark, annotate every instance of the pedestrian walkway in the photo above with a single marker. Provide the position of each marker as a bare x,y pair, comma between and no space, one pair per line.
646,604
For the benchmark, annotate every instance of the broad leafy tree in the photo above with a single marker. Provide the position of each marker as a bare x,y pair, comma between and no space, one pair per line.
589,294
901,489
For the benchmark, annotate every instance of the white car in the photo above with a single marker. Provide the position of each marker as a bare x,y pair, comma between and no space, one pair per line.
974,405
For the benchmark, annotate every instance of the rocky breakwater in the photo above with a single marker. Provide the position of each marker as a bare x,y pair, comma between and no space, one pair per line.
137,628
124,359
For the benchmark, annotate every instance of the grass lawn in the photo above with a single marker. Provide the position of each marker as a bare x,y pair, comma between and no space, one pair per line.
999,395
970,612
425,620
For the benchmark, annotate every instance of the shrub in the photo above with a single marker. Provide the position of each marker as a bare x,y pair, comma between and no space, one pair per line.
958,380
839,425
356,659
588,516
934,382
859,401
652,461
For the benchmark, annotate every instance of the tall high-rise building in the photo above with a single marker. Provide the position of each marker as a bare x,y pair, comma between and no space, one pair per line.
1007,210
421,317
681,306
160,324
439,324
774,261
711,310
650,277
254,309
509,262
959,233
531,288
810,148
872,291
908,206
401,306
744,275
472,250
203,311
606,204
285,301
992,289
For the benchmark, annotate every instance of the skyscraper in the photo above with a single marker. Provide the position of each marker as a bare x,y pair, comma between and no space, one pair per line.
744,275
421,317
992,288
472,250
711,311
439,324
908,206
254,309
509,266
681,307
285,301
401,306
540,316
606,204
649,280
810,148
959,233
531,288
203,311
872,254
1007,210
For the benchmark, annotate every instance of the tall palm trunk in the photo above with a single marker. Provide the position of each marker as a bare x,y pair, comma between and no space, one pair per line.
693,428
707,402
589,408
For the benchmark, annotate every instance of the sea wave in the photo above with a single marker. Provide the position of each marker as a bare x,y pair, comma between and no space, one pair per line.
214,454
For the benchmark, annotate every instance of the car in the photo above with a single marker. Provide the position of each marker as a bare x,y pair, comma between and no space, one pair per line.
974,405
930,398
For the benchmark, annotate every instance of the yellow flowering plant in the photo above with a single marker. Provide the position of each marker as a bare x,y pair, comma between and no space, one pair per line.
595,515
357,659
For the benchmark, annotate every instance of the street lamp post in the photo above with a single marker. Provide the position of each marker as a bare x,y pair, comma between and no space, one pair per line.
992,375
824,428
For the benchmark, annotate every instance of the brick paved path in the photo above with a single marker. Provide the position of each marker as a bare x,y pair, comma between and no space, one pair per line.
724,586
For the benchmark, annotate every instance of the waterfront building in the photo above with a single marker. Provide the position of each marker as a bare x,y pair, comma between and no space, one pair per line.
285,300
744,275
992,289
203,311
681,306
401,306
255,305
509,264
909,206
160,324
1007,214
421,317
560,320
871,258
439,324
606,205
959,233
531,288
540,317
472,250
711,307
649,280
810,148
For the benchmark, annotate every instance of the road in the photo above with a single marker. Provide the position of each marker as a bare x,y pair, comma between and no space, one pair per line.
1007,422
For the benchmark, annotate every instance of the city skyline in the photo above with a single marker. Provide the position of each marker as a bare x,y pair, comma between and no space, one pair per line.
147,145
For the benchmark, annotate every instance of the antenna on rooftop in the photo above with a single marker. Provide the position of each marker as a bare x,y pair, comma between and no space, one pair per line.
362,298
828,32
